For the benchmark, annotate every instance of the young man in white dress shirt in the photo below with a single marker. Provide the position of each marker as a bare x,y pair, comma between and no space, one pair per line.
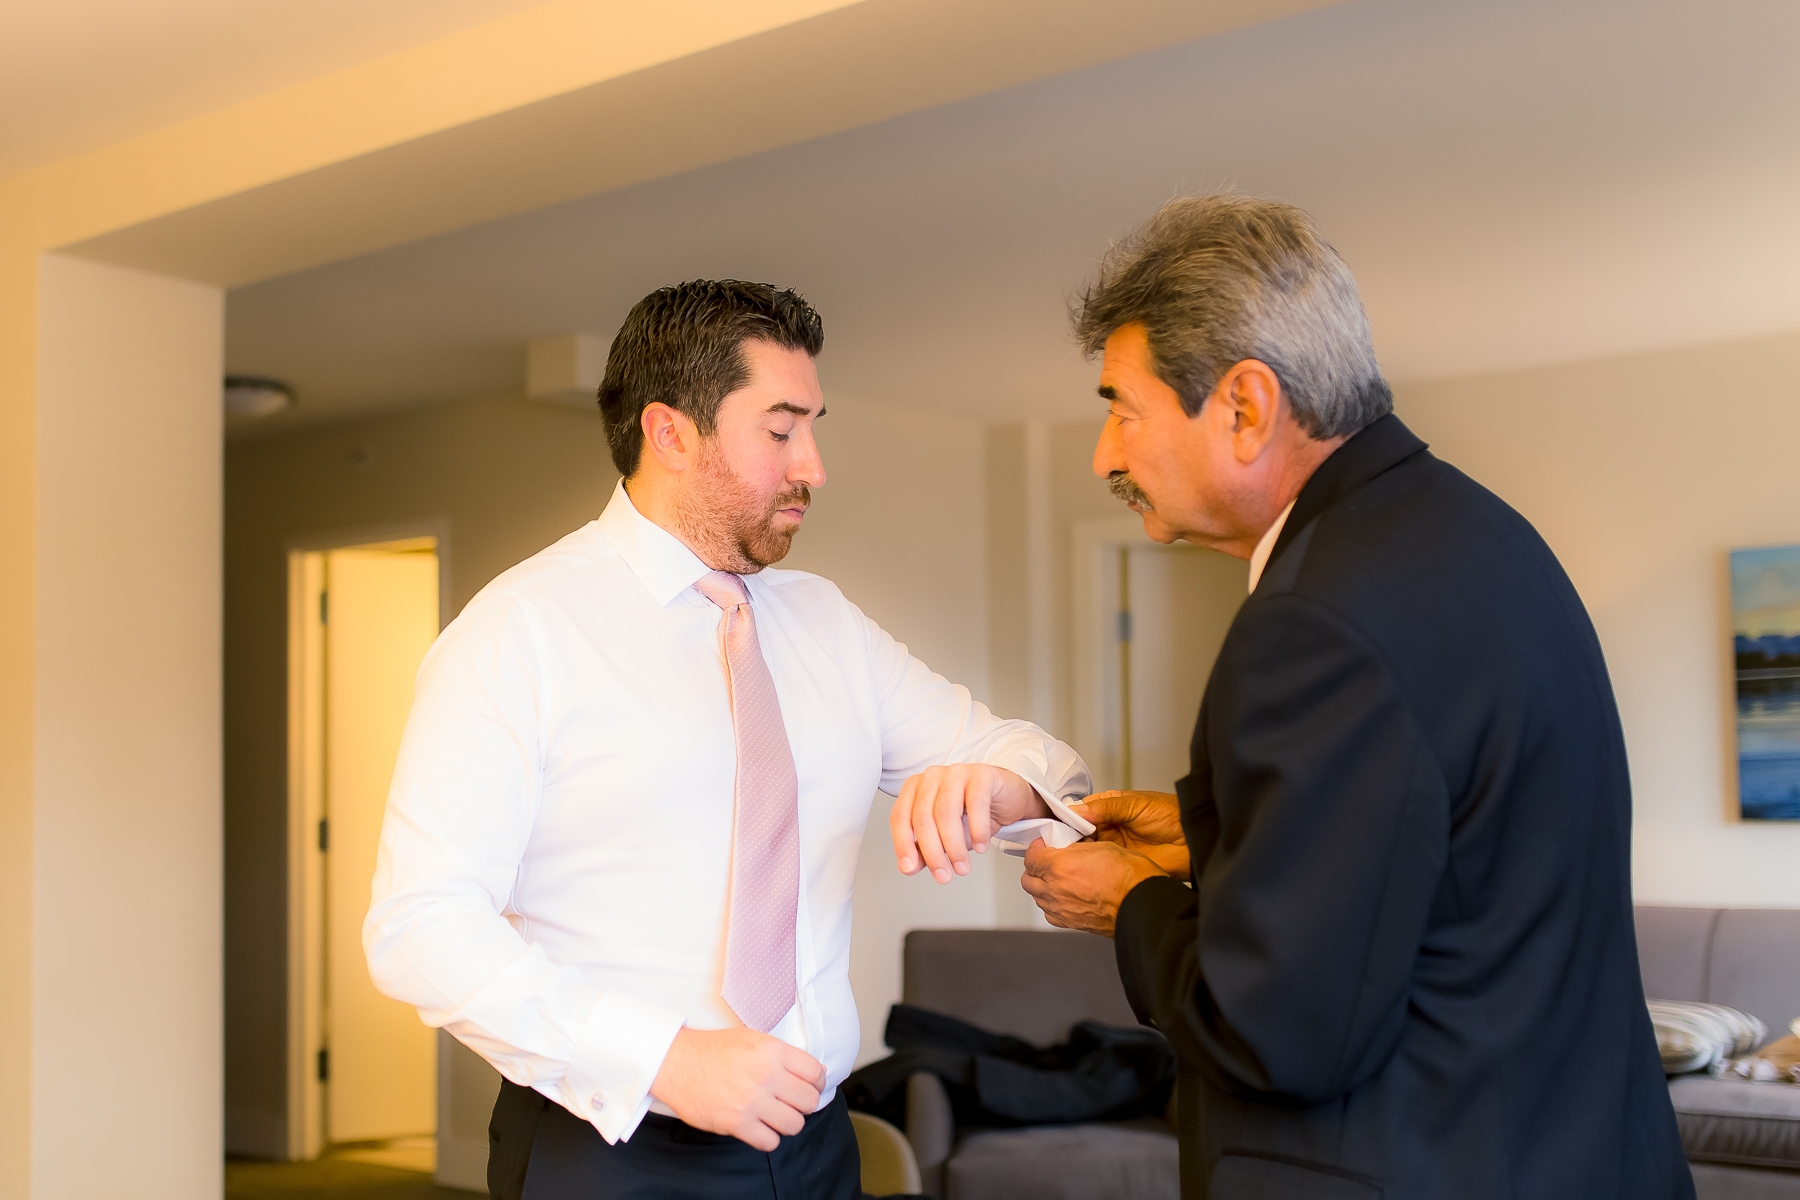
628,807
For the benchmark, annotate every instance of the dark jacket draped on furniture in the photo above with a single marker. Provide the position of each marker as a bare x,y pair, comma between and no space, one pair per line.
1406,967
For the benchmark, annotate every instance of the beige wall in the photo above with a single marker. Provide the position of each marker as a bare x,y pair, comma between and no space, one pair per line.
900,526
508,478
19,263
125,832
1074,495
1641,473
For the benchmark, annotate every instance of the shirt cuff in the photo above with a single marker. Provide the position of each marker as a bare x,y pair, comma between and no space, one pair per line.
617,1055
1056,788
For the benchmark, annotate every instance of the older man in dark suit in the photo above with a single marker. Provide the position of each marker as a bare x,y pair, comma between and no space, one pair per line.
1386,919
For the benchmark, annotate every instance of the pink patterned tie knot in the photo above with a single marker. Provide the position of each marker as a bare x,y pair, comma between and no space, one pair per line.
765,836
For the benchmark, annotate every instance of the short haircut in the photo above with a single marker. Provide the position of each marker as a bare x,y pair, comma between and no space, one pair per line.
683,346
1219,279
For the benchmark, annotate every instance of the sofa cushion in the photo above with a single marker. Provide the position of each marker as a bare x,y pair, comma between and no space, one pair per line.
1692,1037
1732,1121
1131,1160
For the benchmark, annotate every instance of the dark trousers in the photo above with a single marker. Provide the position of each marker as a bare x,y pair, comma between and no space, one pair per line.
538,1150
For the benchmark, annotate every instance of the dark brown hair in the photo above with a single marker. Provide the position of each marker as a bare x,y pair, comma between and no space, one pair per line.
683,346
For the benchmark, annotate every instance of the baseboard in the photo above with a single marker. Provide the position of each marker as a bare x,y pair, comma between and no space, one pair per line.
252,1133
462,1164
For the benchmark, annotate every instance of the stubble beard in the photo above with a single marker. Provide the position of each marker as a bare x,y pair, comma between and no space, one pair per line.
728,525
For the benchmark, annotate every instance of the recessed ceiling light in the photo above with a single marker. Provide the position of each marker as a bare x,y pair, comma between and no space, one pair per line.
253,396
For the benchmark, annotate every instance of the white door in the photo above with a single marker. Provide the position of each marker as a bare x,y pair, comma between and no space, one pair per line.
381,614
1174,604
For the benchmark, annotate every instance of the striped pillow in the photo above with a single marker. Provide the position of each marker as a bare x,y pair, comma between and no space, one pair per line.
1692,1037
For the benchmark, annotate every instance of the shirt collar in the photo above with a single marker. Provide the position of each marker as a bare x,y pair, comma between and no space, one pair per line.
660,560
1259,557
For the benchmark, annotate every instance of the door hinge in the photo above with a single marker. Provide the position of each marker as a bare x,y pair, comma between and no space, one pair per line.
324,1065
1125,626
324,608
324,835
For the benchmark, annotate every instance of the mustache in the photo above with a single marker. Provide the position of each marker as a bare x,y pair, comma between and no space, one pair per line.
1124,487
800,497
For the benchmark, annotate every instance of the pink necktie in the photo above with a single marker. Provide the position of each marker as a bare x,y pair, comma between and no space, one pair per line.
765,833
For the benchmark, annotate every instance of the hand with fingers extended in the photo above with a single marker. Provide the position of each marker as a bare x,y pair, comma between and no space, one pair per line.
927,819
1148,823
741,1083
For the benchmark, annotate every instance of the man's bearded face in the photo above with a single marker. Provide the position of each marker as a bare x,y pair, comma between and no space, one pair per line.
725,512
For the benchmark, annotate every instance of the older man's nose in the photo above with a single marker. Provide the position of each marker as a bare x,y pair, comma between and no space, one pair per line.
1108,453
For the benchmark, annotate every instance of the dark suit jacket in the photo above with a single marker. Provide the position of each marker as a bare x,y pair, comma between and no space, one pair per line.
1406,967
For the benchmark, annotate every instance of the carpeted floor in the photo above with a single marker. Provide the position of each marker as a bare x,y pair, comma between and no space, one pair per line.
330,1179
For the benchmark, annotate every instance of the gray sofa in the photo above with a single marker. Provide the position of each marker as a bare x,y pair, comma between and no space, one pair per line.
1035,986
1742,1138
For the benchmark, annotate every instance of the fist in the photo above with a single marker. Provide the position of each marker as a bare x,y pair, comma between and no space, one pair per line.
741,1083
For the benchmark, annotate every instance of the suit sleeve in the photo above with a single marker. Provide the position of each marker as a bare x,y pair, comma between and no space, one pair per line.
1284,973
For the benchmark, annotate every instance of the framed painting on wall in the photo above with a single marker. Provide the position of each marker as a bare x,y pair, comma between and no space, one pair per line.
1765,623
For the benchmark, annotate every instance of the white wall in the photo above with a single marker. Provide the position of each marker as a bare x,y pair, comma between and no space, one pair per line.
1641,473
125,971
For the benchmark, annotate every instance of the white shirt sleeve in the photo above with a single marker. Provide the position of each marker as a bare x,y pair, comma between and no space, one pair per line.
928,721
459,818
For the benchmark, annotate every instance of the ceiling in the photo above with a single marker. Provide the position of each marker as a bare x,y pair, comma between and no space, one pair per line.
78,74
1513,183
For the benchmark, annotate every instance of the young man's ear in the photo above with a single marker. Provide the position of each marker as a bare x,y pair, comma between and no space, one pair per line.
670,437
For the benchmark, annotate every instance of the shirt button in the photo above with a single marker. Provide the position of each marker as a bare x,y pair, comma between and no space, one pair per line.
597,1102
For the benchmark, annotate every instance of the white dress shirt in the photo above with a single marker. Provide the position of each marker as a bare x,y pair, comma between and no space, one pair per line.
1259,557
553,873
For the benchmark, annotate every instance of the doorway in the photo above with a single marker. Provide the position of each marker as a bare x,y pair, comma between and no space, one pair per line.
362,1067
1149,622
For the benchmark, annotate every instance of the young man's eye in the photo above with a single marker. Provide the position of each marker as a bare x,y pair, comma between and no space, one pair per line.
780,437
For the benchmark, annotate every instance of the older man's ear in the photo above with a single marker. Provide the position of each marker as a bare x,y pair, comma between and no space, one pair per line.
1248,399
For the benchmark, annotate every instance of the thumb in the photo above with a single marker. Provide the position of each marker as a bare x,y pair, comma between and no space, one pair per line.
802,1065
1110,808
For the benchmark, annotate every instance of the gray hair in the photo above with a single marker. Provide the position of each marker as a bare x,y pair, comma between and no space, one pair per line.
1218,279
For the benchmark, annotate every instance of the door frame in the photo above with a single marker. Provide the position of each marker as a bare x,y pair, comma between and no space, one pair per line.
305,807
1093,613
